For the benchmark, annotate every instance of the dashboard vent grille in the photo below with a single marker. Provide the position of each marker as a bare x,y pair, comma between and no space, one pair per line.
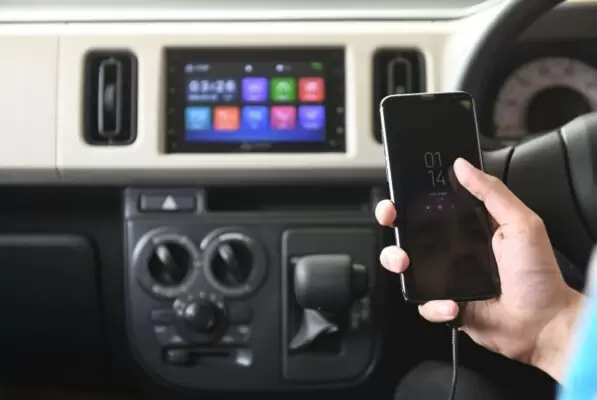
110,96
395,70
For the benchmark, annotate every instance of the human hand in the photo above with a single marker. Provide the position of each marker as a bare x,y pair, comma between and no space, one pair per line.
532,319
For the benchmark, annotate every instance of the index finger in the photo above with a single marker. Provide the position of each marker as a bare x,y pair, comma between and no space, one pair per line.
501,203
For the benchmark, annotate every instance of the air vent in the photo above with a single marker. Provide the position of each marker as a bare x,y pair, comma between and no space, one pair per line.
110,97
395,71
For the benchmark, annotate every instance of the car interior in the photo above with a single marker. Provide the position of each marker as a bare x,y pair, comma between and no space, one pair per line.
188,187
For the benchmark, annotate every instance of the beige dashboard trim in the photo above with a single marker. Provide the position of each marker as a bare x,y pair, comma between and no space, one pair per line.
28,87
40,11
39,53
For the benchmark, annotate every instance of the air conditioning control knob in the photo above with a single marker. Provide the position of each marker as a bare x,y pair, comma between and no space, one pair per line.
232,263
170,263
166,263
200,316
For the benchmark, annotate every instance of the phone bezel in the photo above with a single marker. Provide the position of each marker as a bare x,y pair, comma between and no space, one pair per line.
392,187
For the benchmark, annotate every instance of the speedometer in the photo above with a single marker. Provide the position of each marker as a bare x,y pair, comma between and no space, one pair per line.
543,95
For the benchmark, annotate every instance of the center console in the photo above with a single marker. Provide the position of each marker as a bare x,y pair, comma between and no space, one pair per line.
232,286
271,291
248,156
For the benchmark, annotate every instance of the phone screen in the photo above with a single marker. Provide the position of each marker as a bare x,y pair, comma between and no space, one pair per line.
445,231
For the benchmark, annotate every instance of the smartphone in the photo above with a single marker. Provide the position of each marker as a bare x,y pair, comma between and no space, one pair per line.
445,230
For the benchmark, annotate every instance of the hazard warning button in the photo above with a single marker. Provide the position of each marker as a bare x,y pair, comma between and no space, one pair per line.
168,202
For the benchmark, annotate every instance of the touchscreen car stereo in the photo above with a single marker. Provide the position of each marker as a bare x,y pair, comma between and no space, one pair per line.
255,100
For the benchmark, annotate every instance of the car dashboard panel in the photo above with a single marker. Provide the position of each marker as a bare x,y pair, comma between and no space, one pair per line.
110,103
177,122
280,134
179,185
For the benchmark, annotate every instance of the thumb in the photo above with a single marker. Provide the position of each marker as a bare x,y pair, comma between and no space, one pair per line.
501,203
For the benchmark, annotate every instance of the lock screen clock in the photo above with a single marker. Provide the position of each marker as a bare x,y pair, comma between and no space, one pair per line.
260,100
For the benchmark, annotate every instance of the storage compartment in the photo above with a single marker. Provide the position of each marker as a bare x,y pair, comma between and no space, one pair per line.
49,311
281,198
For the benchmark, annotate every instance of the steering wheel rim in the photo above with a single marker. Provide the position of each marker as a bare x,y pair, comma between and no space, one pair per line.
509,24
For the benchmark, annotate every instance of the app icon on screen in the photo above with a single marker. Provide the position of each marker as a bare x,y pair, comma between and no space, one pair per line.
312,117
311,89
283,89
226,118
255,117
197,118
283,117
254,89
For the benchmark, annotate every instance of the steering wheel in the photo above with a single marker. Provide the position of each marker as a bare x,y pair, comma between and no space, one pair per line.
554,174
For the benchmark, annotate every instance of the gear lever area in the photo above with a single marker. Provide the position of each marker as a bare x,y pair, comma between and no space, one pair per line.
325,287
256,300
327,304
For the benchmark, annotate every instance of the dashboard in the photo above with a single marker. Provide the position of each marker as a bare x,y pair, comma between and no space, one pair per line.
152,145
351,64
195,168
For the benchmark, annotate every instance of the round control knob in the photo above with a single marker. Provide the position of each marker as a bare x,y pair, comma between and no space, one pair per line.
232,263
170,263
200,316
235,263
166,263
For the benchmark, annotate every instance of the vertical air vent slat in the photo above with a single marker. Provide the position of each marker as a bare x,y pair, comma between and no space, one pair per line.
110,98
109,107
400,76
396,71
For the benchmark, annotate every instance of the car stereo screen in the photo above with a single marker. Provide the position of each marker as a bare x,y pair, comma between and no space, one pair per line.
266,100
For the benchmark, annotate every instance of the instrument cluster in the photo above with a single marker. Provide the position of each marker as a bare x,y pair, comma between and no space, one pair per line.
540,88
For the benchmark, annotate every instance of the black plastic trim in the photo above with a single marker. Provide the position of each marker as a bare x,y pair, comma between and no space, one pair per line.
124,131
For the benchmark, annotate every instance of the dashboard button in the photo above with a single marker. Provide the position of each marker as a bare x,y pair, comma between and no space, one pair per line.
168,203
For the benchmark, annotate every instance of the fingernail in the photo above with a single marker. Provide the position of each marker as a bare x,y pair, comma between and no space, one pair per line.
395,263
461,161
383,258
467,164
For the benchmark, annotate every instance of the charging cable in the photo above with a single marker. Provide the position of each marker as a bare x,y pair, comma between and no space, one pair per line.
454,362
455,326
